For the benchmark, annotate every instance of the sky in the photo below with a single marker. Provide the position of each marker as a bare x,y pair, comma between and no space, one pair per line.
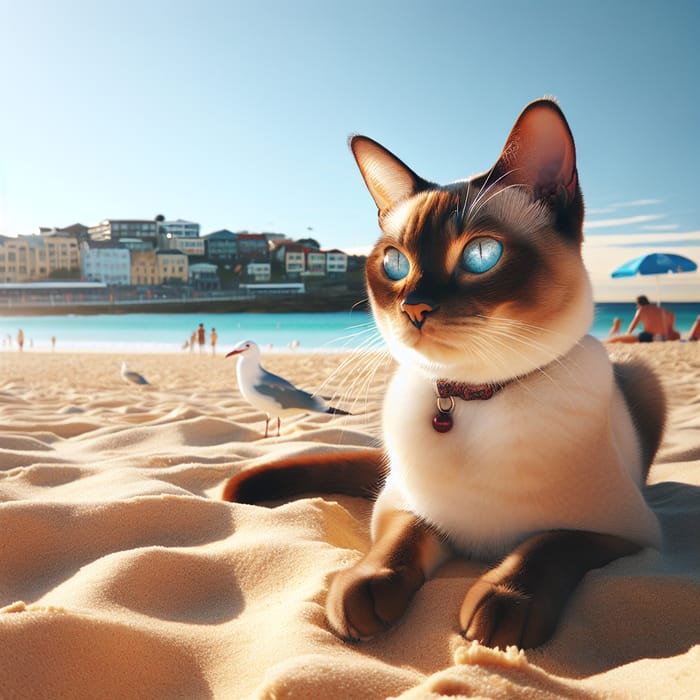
236,114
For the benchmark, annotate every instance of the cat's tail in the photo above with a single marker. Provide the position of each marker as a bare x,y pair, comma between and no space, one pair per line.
350,472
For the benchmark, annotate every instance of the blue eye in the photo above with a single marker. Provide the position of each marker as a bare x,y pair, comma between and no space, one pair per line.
481,254
396,264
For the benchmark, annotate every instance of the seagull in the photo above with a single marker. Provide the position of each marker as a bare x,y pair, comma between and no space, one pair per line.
130,376
271,394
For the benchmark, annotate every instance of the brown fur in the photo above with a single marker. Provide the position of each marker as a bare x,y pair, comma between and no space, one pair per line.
646,402
352,472
520,601
394,569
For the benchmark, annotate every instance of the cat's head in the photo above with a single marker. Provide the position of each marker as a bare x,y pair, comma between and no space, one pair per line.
481,280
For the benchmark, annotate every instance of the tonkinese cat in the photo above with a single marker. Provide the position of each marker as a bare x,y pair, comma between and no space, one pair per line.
508,434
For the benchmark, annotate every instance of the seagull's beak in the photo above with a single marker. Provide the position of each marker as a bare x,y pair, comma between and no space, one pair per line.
234,352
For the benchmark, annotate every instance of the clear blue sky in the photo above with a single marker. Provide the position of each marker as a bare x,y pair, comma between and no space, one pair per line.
236,114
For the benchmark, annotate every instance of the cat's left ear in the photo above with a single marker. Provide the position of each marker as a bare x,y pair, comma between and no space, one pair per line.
388,179
540,153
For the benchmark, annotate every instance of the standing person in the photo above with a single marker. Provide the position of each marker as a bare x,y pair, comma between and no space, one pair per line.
213,337
53,343
201,337
193,340
20,339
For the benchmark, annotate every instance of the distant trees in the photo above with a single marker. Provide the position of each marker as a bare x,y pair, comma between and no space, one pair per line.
64,273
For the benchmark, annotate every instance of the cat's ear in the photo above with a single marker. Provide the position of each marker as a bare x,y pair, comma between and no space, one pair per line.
540,153
388,179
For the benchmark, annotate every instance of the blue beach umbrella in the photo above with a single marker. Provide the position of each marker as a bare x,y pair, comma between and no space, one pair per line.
655,264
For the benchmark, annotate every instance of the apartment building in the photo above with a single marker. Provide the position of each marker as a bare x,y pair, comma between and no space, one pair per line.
102,261
144,267
336,262
115,229
179,228
32,258
252,247
172,267
221,245
189,246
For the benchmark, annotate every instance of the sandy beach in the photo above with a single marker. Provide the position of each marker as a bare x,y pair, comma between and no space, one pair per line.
123,574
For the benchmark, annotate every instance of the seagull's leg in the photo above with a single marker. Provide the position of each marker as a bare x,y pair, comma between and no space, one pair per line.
279,422
267,424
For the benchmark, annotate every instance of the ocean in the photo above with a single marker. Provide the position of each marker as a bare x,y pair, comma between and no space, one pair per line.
308,331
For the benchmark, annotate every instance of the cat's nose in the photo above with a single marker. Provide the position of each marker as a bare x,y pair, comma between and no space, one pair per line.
417,307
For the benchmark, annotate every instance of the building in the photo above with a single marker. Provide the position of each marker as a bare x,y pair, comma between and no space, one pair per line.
336,262
294,259
189,246
115,229
179,228
315,262
78,231
18,261
203,277
180,235
172,267
36,258
259,272
103,261
144,267
252,247
62,254
221,245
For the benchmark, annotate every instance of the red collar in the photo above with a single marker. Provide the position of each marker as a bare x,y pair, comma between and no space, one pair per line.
466,392
442,420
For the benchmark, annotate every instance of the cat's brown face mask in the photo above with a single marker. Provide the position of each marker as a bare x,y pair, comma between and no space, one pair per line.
482,276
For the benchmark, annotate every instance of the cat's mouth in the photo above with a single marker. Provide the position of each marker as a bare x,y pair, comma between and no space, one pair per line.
432,342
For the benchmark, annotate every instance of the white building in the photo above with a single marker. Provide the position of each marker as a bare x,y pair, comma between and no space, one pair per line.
294,262
336,262
315,262
260,272
179,228
105,263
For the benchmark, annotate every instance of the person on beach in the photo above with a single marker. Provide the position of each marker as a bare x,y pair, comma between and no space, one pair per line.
20,339
201,337
53,343
193,340
657,324
213,337
694,333
615,328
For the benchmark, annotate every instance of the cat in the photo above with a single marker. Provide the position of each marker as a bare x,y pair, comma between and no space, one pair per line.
508,434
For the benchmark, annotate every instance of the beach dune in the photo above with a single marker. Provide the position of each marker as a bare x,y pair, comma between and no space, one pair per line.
124,575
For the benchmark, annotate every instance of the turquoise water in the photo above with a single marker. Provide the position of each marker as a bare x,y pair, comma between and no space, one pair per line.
168,332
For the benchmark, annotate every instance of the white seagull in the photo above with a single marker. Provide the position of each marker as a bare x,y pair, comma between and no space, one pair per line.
130,376
271,394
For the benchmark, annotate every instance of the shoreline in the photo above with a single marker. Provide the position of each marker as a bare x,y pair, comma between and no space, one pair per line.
351,300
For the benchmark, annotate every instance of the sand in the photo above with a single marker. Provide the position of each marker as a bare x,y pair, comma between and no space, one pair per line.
123,574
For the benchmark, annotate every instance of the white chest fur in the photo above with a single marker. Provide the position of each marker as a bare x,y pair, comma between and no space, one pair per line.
555,450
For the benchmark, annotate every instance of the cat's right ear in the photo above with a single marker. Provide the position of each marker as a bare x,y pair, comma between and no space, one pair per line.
388,179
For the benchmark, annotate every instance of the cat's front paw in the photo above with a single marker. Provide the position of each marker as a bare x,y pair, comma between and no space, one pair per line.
498,613
364,600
